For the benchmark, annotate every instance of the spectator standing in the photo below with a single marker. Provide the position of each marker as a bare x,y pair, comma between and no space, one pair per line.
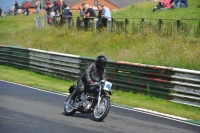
66,16
16,6
106,14
101,21
48,6
59,3
82,13
38,5
27,6
51,16
0,12
66,13
89,13
63,3
82,10
23,8
55,7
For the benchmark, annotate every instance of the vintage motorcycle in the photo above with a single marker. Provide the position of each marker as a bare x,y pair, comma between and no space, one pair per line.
93,100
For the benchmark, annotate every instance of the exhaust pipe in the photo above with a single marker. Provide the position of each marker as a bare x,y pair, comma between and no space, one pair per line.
71,106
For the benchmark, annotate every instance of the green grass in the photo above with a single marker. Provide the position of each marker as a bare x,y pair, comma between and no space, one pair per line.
136,100
32,79
144,9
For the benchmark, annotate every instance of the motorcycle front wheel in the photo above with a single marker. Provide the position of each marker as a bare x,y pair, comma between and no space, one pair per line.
67,110
100,113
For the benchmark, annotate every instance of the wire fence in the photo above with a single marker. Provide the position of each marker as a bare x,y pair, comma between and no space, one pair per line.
160,26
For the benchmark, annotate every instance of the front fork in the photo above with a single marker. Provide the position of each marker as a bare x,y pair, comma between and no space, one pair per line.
99,99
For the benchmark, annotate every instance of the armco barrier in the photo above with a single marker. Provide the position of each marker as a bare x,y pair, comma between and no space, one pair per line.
186,88
14,56
177,85
154,80
55,64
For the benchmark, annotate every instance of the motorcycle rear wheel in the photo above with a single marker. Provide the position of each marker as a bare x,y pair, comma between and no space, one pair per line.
67,110
100,113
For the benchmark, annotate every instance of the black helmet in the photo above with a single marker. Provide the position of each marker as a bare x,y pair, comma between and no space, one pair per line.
101,61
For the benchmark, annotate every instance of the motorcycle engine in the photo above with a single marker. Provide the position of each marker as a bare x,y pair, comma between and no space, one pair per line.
85,103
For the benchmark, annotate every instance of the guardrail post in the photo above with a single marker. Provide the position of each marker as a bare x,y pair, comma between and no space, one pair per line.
126,24
141,27
178,25
198,30
160,26
112,23
142,23
114,26
78,23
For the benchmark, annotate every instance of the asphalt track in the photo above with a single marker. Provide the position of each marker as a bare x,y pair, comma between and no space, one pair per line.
27,110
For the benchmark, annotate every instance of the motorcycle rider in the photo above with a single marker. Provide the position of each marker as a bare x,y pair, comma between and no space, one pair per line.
94,72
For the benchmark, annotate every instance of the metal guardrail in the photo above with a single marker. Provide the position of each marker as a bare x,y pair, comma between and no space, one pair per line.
54,64
186,86
177,85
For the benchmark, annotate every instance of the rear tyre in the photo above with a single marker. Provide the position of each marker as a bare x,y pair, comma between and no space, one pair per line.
100,113
67,110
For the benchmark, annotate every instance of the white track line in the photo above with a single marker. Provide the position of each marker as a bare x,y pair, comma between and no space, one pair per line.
145,111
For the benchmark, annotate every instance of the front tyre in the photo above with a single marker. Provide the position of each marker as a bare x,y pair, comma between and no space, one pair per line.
67,110
100,113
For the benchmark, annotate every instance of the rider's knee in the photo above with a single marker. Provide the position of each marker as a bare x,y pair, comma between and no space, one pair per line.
81,88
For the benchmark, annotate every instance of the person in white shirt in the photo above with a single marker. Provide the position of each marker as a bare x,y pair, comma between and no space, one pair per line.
107,15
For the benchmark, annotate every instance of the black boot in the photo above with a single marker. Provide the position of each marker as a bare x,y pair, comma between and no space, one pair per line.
72,97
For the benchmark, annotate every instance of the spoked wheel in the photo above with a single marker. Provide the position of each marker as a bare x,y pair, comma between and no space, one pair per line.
68,111
100,113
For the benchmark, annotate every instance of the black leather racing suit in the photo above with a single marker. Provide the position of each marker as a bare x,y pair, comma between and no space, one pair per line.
93,73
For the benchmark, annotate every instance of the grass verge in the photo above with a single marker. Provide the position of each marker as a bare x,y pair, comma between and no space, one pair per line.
126,98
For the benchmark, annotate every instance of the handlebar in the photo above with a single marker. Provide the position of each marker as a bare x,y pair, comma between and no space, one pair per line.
97,83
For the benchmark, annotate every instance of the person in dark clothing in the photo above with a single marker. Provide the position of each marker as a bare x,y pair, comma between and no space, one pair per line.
66,15
94,72
90,13
59,4
180,3
82,10
102,22
27,6
16,8
48,6
66,12
55,7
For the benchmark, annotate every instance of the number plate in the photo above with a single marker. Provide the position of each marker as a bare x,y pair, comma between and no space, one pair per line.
107,86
